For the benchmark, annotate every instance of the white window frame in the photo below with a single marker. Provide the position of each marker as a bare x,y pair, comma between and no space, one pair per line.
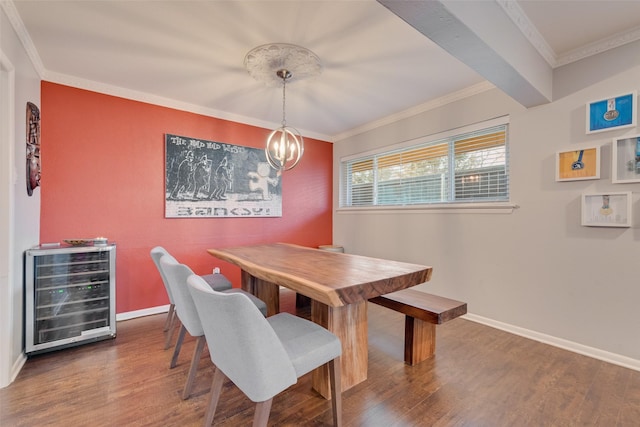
503,206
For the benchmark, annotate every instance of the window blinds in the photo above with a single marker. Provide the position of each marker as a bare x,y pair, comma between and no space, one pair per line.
467,167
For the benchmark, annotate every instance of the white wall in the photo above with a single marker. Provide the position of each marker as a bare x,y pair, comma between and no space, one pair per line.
20,218
535,271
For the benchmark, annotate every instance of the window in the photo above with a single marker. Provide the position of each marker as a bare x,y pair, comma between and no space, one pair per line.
465,167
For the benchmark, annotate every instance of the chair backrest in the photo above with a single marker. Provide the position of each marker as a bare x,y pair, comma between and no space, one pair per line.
177,275
157,253
242,343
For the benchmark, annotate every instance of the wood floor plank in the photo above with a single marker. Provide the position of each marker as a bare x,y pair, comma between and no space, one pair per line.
479,376
630,412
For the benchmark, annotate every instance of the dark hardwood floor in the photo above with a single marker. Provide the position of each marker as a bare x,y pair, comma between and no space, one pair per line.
479,377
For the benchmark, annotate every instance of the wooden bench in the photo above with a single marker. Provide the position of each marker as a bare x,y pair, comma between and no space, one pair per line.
422,313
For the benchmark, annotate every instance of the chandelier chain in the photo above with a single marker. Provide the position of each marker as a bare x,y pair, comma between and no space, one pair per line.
284,85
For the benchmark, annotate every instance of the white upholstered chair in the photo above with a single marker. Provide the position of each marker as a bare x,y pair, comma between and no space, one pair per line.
262,357
217,281
176,275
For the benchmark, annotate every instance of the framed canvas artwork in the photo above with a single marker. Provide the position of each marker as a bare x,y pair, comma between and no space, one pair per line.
205,179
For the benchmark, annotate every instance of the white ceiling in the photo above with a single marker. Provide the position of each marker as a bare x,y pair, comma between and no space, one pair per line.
189,54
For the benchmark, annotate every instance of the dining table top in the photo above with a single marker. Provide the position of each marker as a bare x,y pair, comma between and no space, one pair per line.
335,279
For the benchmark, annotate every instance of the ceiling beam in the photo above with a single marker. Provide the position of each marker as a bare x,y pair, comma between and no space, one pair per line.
481,35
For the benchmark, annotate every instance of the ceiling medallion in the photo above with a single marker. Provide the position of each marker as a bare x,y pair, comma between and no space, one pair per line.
263,62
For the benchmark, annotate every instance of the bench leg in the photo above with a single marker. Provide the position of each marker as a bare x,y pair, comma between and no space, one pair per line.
419,340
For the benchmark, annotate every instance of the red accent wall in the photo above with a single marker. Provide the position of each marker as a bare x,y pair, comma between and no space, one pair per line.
103,175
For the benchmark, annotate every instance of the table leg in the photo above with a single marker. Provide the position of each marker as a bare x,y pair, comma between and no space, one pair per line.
266,291
349,323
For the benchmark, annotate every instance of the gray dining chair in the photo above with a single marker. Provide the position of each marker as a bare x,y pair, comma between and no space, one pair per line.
262,356
217,281
186,311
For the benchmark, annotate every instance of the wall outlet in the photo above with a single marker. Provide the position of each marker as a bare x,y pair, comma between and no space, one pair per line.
216,270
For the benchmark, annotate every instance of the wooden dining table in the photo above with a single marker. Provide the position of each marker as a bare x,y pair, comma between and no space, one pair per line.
338,285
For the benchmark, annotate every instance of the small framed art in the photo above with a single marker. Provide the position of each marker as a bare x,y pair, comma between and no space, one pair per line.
625,159
617,112
607,209
579,164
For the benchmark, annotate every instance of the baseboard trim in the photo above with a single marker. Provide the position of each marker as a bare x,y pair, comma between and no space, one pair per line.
605,356
17,367
141,313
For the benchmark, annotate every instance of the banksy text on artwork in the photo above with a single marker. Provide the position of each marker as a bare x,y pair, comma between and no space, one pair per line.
213,179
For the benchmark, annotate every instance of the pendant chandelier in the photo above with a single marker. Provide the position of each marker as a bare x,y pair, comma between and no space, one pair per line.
276,64
285,145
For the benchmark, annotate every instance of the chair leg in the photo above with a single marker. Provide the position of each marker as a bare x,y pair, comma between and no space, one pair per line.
216,389
336,392
169,316
172,328
197,353
262,413
176,352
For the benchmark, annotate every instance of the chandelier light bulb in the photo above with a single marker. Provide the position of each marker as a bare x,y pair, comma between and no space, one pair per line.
284,149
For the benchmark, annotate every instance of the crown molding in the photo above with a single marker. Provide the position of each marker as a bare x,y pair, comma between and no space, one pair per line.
418,109
524,24
600,46
67,80
10,10
91,85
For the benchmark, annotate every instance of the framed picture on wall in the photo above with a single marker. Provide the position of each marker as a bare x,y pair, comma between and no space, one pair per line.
625,159
574,165
616,112
607,209
210,179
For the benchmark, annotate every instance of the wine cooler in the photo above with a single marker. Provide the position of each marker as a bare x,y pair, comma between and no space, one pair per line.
69,297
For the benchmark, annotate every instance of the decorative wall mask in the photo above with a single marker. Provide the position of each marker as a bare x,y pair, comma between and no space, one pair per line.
33,147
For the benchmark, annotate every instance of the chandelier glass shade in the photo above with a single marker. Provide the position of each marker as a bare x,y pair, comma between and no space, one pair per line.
275,64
